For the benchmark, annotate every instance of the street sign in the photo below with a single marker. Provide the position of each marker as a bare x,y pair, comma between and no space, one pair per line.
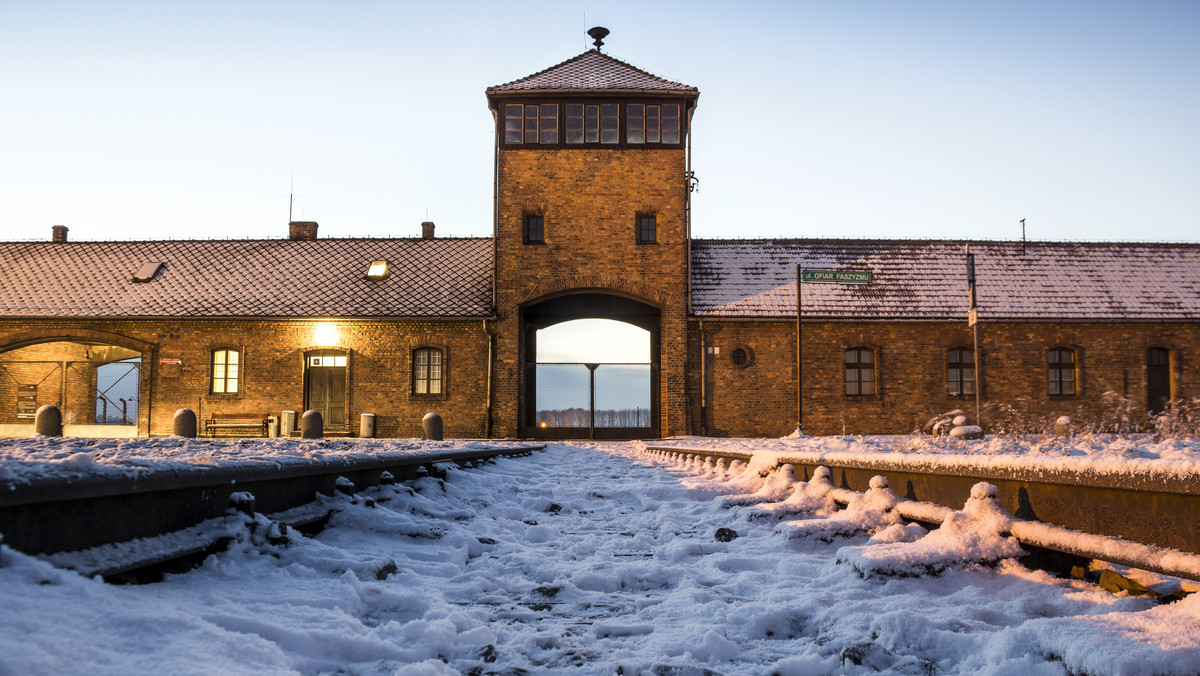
972,317
837,276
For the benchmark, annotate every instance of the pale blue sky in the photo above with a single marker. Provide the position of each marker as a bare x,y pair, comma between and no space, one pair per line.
140,120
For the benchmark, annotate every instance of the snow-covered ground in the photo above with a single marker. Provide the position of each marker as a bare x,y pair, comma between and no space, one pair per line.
595,558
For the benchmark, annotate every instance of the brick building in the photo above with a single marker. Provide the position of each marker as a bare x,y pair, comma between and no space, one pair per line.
592,186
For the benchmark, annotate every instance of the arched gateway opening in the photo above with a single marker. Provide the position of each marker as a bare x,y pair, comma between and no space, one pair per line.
578,390
97,386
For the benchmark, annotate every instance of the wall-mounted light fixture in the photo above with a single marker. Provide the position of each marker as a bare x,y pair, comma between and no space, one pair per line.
326,334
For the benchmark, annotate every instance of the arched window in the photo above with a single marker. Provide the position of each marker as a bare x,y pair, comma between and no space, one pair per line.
960,371
225,371
427,370
860,371
1061,364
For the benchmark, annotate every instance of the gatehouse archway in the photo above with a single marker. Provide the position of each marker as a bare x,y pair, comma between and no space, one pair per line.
97,386
590,393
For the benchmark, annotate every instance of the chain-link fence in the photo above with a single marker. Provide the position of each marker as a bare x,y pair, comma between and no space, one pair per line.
117,393
608,395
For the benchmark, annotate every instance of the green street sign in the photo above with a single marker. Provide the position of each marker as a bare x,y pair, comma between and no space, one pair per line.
837,276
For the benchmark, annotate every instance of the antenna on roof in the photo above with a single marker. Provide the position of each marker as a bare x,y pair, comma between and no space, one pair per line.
291,193
1022,236
598,33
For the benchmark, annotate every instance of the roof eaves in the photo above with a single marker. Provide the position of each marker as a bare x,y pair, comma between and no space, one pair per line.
517,93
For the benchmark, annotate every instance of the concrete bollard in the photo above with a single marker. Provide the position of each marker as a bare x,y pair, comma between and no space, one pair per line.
48,421
431,427
184,424
1064,426
366,426
312,425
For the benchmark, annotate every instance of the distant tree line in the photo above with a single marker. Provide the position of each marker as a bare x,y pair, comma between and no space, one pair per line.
578,417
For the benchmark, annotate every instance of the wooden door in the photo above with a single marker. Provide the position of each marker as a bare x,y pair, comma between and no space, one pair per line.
327,393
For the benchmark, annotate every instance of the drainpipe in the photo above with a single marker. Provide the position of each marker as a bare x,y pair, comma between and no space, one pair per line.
687,208
487,429
495,205
150,394
703,378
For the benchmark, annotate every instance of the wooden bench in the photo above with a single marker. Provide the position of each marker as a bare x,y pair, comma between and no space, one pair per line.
248,422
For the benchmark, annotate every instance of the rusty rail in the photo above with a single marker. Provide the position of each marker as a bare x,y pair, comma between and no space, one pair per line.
1142,521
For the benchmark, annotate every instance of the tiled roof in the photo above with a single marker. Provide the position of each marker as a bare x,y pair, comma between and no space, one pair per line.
258,278
592,70
927,280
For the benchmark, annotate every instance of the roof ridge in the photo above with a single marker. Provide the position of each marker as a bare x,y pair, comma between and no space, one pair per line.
235,240
595,52
919,240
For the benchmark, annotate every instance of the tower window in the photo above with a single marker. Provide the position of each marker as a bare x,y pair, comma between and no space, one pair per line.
670,123
609,124
531,123
534,229
647,229
652,124
583,123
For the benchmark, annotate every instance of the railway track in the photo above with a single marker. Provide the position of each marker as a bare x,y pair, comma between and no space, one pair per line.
113,524
118,526
1143,521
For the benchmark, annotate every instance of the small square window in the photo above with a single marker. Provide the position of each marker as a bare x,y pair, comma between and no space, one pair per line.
860,372
647,229
534,229
1061,371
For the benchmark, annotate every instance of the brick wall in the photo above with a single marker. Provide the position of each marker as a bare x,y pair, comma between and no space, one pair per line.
62,374
759,399
589,199
273,363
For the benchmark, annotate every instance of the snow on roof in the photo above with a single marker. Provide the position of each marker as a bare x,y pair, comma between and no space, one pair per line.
927,280
444,277
592,70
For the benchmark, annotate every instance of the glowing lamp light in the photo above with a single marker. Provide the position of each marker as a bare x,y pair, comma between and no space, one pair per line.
543,424
327,334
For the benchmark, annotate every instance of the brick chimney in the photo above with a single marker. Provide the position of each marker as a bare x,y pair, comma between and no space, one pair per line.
302,230
60,234
427,230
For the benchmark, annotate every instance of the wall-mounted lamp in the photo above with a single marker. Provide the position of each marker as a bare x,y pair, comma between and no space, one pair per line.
326,334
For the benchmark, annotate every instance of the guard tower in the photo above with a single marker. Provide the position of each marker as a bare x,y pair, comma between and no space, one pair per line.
591,220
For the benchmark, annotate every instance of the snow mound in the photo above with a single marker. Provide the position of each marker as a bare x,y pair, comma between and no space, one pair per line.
975,535
807,497
777,487
866,512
